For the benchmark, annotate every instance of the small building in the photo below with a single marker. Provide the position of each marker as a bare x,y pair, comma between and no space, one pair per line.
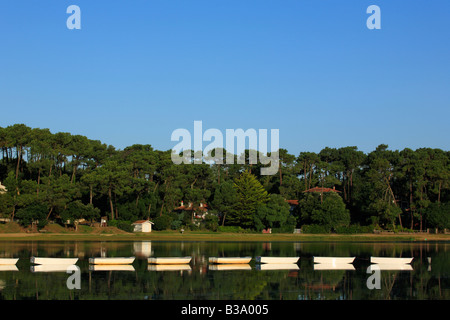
103,221
142,226
2,188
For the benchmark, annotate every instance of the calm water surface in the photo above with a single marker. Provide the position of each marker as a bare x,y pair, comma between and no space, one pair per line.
429,277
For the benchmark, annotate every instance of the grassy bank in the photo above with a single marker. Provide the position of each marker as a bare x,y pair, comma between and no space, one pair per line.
212,236
12,231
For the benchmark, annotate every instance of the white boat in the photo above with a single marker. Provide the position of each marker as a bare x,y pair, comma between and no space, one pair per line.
112,260
334,260
54,261
111,267
388,260
169,267
229,267
277,260
330,266
169,260
229,260
8,261
277,266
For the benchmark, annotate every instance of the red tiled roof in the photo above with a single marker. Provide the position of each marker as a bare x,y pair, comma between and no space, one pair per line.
141,221
292,202
191,207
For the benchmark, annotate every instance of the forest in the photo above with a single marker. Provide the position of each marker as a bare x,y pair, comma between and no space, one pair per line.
65,178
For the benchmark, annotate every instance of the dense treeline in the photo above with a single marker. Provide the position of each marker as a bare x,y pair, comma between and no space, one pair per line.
63,177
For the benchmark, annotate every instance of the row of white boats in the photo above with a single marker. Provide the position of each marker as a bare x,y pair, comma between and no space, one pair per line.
216,263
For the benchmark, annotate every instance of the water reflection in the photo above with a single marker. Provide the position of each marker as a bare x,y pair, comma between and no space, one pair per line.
427,277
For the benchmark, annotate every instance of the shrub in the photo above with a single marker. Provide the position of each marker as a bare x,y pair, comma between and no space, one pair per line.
32,213
162,222
354,229
122,225
315,228
211,222
231,229
437,215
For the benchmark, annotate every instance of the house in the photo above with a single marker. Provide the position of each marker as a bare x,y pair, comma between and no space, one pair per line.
2,188
142,226
200,211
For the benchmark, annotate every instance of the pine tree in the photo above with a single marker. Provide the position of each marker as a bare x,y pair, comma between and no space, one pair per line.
250,195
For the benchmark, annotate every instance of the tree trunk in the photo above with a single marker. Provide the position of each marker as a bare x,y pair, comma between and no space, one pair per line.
38,182
19,156
410,202
439,193
49,213
111,203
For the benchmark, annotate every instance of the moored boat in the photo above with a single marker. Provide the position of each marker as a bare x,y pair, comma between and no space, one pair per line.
169,260
334,260
112,260
8,261
389,260
336,266
53,261
277,260
229,260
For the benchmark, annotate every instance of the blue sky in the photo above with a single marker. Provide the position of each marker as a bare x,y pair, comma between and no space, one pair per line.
137,70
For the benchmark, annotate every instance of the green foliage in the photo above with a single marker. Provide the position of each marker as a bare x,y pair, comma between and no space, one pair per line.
274,214
32,213
211,222
355,229
327,210
74,177
437,215
77,210
225,200
121,224
162,223
231,229
315,228
250,195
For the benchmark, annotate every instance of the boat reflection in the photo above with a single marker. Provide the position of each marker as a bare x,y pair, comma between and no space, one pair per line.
277,266
169,267
227,267
111,267
391,266
52,268
10,267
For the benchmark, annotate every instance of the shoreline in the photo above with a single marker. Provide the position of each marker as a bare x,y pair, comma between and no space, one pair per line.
211,236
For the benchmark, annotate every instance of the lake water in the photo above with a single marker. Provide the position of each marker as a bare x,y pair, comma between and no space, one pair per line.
427,279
